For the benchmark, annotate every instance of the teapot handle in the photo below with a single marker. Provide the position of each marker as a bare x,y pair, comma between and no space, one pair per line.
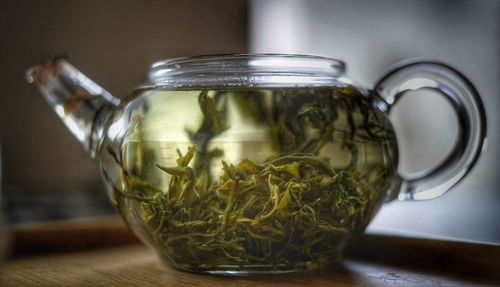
467,104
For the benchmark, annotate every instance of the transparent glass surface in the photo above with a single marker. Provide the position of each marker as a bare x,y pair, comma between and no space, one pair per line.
248,180
256,163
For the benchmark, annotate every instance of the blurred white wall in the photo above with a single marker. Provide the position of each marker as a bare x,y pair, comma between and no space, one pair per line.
373,35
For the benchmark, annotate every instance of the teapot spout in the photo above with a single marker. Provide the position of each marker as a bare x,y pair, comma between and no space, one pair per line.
82,105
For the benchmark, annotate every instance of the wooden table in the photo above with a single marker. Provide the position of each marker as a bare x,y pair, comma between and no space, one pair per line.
136,265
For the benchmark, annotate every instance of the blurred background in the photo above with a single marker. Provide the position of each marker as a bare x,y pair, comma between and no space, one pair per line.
370,36
47,176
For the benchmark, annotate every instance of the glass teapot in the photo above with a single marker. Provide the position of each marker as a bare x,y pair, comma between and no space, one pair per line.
256,163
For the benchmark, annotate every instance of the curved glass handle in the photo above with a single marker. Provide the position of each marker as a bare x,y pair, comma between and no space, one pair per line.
464,99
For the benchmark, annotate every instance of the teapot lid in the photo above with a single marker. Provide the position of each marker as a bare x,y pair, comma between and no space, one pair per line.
246,71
